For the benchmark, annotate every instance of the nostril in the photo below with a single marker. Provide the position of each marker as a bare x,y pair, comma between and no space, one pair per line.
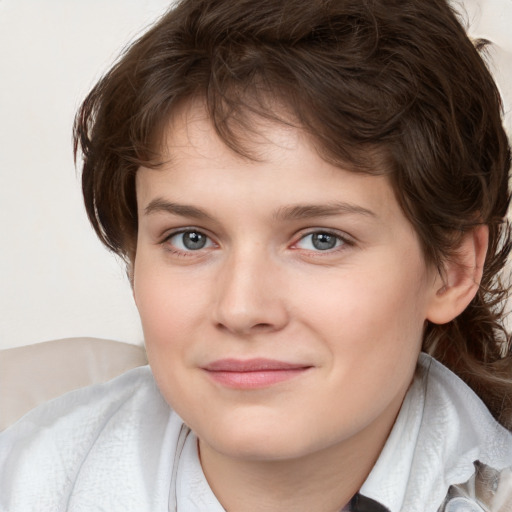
243,308
262,327
246,329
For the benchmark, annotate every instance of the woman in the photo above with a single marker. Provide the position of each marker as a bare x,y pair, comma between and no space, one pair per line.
310,199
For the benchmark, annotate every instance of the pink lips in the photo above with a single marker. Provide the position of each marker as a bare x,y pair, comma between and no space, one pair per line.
252,373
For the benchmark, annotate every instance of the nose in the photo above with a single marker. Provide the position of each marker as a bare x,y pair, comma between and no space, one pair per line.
250,297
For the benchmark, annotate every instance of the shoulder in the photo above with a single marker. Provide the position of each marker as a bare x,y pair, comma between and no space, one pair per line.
477,450
487,489
86,441
443,439
454,414
85,411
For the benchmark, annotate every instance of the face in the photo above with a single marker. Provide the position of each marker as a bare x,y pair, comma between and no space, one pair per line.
283,300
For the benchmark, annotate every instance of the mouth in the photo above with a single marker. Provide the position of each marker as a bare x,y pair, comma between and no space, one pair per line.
253,373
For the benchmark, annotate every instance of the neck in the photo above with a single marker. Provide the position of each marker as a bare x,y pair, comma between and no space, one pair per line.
324,481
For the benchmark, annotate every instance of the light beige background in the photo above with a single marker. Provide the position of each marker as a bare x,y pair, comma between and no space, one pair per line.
56,280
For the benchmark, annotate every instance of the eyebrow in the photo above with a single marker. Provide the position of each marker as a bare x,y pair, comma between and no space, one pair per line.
183,210
292,212
298,212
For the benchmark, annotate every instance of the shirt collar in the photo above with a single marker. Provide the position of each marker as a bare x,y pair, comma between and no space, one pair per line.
193,494
441,430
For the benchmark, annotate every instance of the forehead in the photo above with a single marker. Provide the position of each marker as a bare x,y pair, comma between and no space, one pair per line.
284,167
247,134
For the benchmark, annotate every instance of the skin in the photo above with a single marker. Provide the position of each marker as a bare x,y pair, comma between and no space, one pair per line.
351,316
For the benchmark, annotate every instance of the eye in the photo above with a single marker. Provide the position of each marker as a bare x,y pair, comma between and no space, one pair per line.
190,240
320,241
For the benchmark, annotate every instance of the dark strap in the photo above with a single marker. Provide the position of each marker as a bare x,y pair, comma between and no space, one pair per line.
362,504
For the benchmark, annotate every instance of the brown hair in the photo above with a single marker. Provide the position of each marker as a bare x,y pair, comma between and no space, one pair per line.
389,86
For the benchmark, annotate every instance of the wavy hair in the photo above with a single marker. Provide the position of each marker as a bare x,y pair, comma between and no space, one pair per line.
380,86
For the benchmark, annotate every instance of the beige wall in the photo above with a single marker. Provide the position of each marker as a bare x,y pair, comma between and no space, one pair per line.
55,279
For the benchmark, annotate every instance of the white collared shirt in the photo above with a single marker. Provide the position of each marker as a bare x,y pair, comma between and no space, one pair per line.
442,429
119,447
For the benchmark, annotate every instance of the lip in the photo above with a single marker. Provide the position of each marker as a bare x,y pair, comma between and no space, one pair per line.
253,373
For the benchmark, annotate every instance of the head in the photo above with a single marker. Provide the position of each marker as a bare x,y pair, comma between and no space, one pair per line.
390,90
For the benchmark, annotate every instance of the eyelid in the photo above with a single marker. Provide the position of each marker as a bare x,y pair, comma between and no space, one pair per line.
347,240
168,235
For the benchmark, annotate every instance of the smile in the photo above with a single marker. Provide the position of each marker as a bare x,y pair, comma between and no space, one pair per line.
253,373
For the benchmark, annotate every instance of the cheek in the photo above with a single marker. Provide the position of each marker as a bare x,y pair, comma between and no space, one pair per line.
166,312
365,300
371,322
166,304
172,311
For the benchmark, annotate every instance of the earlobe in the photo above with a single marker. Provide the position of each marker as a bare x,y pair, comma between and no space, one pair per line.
454,290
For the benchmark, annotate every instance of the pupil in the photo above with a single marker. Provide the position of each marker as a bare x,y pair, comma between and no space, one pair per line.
193,240
323,241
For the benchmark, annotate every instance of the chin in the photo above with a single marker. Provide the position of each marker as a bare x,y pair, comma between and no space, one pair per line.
260,452
259,442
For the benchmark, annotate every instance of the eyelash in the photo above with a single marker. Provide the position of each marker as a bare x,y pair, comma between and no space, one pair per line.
170,247
342,242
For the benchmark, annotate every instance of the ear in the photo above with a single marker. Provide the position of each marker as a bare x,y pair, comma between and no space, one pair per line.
455,289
